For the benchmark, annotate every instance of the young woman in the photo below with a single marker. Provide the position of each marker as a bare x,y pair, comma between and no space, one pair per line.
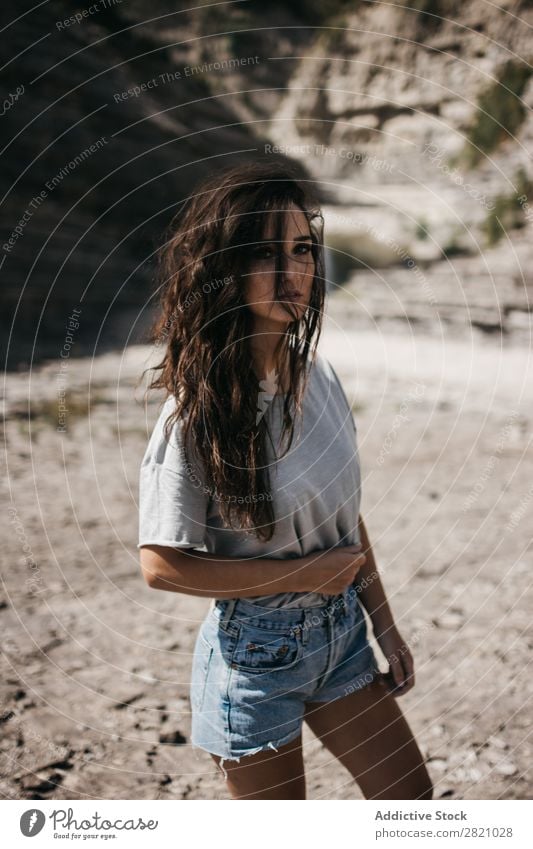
249,495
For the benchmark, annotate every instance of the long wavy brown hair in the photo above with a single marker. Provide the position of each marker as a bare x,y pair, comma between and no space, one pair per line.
205,326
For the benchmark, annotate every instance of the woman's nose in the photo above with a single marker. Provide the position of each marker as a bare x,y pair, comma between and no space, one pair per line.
289,267
290,279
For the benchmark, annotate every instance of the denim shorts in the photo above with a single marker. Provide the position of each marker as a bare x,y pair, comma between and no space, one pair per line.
254,668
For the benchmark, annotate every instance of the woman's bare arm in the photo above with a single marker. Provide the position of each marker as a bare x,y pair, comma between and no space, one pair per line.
400,677
197,573
193,572
373,595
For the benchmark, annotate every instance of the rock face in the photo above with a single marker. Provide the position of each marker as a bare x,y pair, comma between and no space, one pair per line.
398,104
419,120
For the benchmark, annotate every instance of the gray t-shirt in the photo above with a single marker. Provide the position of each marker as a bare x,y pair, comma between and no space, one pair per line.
315,487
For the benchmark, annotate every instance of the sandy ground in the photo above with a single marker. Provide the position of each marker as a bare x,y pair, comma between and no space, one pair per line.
95,665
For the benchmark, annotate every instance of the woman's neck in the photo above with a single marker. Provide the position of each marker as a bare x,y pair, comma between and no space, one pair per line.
271,374
265,359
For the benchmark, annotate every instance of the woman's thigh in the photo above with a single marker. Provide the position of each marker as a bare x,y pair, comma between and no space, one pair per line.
370,736
268,774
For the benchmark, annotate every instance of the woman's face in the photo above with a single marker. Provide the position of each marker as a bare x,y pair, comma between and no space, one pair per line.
297,271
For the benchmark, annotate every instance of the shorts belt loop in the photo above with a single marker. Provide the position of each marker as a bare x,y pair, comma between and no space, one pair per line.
344,605
228,613
304,628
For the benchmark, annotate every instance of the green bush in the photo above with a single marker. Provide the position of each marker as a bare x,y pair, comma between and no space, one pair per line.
500,113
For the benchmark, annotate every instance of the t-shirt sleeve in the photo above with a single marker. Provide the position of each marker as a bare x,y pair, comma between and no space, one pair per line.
173,496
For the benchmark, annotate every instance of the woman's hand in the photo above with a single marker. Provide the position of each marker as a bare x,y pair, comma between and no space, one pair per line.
401,677
332,571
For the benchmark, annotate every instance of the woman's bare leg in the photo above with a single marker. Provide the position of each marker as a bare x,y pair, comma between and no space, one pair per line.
369,734
268,774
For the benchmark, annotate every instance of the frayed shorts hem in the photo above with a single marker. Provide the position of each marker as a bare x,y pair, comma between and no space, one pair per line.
237,754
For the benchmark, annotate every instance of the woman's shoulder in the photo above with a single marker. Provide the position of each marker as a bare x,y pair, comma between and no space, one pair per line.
166,446
330,384
166,408
324,370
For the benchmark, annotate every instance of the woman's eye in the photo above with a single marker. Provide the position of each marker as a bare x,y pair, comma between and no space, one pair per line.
262,253
267,252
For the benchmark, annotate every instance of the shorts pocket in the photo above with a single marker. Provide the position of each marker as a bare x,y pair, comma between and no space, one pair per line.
263,650
203,653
